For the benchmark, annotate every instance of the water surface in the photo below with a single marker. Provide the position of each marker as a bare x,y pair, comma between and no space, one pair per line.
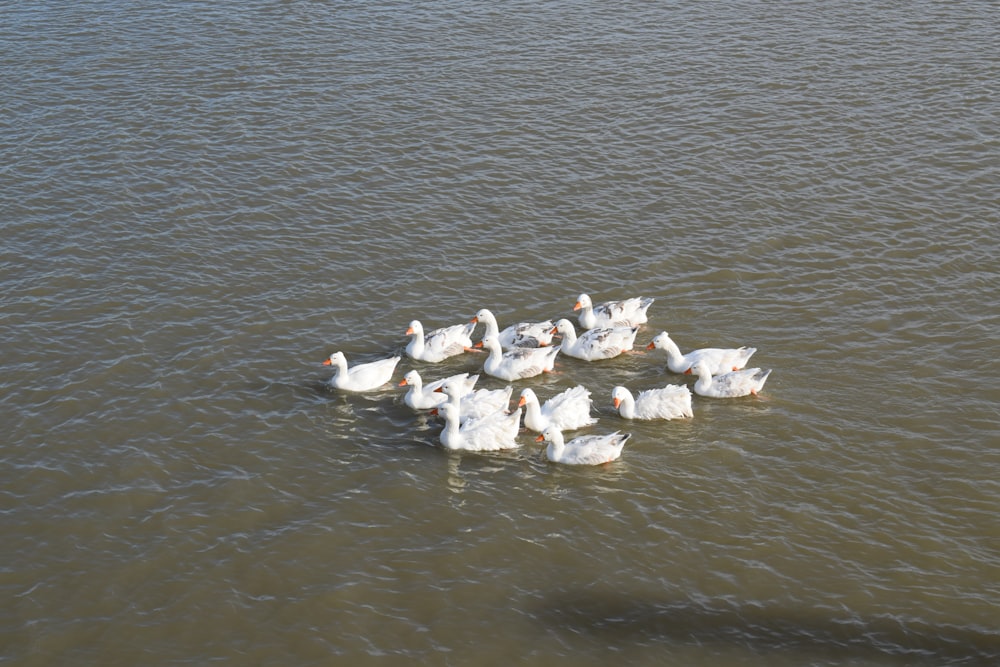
201,201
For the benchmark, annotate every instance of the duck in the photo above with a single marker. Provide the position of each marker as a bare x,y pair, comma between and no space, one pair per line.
567,411
360,377
670,402
475,404
522,334
745,382
595,344
490,433
625,313
719,360
584,449
517,363
438,344
422,396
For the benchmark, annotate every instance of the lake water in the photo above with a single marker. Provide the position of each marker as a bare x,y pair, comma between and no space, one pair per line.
202,200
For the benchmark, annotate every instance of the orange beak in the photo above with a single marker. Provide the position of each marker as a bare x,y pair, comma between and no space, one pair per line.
478,345
540,438
651,346
409,331
475,320
688,372
402,383
577,306
618,402
327,362
521,403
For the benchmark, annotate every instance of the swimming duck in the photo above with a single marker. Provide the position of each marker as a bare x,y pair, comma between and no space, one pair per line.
490,433
595,344
728,385
566,411
422,396
670,402
719,360
584,449
360,377
625,313
522,334
517,363
438,344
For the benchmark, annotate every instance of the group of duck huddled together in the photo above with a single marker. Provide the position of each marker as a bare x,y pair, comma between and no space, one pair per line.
480,419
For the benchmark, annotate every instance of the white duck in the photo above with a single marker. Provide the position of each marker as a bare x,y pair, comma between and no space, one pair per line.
438,344
360,377
519,362
625,313
566,411
719,360
522,334
595,344
584,449
490,433
728,385
476,404
422,396
670,402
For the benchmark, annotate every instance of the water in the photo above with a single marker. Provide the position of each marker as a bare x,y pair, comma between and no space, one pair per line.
201,201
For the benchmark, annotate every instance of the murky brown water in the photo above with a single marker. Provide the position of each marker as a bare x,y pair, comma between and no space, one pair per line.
201,201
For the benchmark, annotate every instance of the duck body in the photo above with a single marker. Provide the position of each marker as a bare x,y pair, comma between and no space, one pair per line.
438,344
597,343
719,360
360,377
624,313
670,402
493,432
517,363
422,396
584,449
522,334
567,411
745,382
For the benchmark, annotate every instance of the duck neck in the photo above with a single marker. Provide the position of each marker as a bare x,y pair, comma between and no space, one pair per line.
416,346
495,353
532,412
339,369
451,434
556,446
492,328
627,407
704,380
569,336
673,352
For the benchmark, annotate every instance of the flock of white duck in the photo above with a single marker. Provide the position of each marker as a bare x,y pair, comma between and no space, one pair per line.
480,419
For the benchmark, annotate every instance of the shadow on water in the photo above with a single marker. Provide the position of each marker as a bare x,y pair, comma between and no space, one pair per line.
616,618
